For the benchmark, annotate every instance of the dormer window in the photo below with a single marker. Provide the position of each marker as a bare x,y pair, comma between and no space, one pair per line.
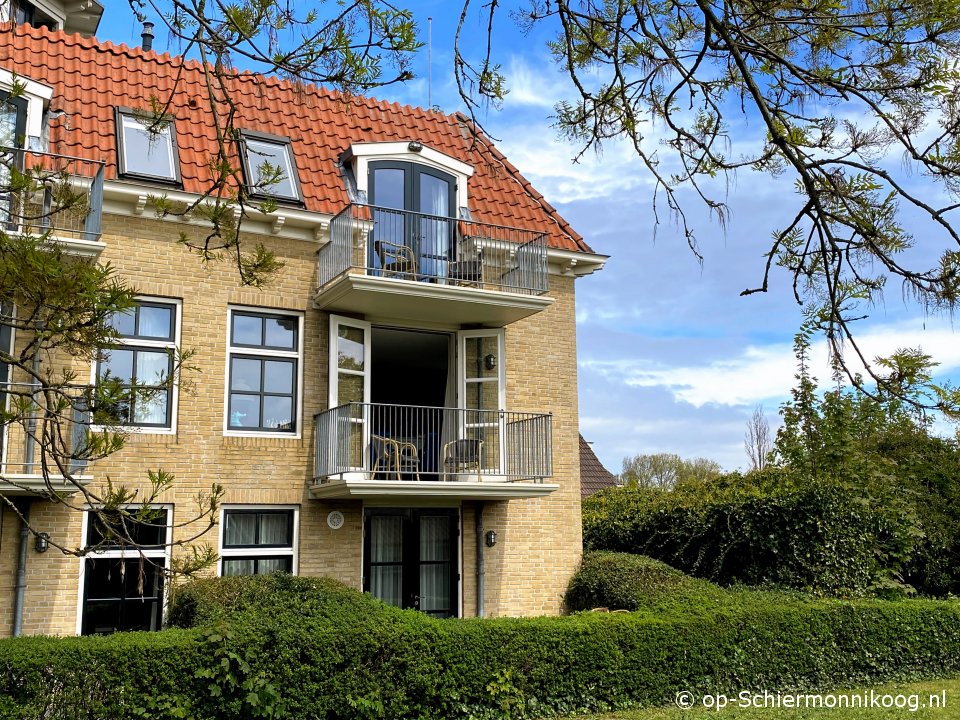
269,167
144,151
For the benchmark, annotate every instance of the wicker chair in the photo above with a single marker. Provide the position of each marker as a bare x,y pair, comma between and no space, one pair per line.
463,454
396,260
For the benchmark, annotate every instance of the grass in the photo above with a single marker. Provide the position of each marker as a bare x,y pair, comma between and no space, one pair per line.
915,694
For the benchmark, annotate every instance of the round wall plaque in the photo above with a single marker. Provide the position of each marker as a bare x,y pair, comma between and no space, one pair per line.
335,520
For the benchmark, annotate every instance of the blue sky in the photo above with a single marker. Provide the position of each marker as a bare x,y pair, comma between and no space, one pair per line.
671,358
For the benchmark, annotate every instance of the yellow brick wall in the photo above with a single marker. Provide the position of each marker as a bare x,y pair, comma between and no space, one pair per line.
539,540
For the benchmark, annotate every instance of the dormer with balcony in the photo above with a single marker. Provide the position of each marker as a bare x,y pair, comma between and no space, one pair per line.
407,246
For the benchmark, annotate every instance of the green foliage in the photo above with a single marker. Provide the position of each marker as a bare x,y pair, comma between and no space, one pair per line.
309,655
880,446
666,471
623,581
762,529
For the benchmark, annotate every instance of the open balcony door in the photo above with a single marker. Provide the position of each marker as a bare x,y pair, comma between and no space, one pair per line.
480,391
350,383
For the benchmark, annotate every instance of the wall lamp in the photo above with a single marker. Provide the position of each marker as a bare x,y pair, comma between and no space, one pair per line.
415,146
491,538
490,361
41,543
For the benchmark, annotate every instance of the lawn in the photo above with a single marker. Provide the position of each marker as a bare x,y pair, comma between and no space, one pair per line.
909,695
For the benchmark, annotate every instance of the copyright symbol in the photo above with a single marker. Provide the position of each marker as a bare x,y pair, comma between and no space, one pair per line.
684,700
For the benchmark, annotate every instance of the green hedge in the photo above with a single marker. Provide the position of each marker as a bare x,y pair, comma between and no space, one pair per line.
291,661
822,538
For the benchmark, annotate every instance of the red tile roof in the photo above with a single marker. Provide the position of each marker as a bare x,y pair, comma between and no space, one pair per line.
593,475
90,79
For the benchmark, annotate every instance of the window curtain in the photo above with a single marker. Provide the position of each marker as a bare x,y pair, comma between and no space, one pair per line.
386,538
275,529
241,529
435,564
435,230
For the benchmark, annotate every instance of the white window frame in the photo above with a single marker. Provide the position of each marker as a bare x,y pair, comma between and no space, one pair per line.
37,97
251,168
362,154
228,553
127,118
154,344
162,552
4,430
264,352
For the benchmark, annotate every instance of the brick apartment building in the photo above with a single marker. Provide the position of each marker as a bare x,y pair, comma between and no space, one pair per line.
409,373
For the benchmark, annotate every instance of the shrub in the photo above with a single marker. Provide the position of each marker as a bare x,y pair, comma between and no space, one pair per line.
621,581
822,538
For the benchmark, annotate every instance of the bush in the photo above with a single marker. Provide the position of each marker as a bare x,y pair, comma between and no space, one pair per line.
821,538
301,657
621,581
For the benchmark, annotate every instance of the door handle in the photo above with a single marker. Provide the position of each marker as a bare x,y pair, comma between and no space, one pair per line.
415,602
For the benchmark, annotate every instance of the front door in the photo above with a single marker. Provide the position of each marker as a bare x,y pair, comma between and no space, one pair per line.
411,558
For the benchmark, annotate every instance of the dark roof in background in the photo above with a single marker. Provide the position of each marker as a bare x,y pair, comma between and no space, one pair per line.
91,78
593,475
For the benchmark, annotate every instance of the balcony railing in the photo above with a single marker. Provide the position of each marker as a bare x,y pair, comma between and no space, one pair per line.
49,437
47,193
416,443
405,245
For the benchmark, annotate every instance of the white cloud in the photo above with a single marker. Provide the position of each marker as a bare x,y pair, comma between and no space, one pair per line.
762,373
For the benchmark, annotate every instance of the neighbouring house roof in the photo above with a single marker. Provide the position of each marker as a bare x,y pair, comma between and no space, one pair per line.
90,79
593,475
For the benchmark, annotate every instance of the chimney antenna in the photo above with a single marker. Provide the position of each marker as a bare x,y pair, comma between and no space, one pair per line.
429,63
147,36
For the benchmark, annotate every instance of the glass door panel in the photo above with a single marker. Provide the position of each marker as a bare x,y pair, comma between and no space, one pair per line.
350,388
386,558
435,225
481,394
13,118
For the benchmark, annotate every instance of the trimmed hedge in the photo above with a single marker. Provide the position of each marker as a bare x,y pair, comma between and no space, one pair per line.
302,657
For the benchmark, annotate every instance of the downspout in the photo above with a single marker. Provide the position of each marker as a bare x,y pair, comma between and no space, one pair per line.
480,569
21,587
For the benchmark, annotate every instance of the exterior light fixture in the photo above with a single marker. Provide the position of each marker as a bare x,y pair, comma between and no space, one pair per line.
490,362
491,538
41,542
415,146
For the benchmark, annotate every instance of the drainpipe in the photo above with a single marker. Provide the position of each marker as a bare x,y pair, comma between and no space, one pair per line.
480,570
21,587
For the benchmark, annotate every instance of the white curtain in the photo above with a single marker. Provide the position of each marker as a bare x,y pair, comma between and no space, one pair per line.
386,538
241,529
275,529
435,564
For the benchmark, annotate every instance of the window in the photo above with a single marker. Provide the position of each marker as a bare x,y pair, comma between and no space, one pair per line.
269,166
141,153
122,587
257,541
26,13
143,364
263,372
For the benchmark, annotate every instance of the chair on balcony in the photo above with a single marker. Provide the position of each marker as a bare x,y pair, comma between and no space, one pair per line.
391,456
396,260
461,455
468,268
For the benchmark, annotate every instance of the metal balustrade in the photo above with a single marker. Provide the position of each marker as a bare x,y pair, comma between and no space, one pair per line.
49,432
419,443
406,245
45,193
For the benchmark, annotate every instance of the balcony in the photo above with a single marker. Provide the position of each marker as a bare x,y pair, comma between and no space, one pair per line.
54,195
408,265
44,450
375,450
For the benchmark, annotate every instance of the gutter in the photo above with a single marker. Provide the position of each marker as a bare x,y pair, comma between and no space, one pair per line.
480,568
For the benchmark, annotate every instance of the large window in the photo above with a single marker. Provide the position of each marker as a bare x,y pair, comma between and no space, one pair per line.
263,373
269,166
147,152
257,541
123,585
143,364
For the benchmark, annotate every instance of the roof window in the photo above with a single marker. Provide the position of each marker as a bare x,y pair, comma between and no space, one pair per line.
269,167
144,152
